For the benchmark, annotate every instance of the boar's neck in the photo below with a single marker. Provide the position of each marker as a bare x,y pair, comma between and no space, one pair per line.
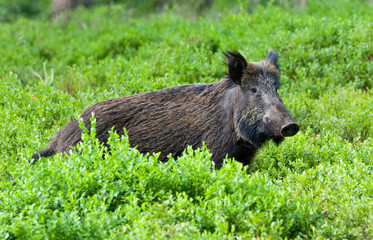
237,147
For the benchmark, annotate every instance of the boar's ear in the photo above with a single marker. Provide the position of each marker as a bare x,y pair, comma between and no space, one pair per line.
236,65
272,58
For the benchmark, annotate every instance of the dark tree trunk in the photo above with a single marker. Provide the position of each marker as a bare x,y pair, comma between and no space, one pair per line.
59,7
300,4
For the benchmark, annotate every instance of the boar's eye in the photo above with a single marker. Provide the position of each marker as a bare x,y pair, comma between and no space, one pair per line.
253,89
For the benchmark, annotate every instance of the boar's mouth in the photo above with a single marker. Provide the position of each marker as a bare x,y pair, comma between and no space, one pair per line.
258,142
278,139
257,135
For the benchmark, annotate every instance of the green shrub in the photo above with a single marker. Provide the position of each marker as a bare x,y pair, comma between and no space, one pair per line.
96,194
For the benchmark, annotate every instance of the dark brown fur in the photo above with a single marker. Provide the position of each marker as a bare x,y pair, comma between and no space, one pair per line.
169,120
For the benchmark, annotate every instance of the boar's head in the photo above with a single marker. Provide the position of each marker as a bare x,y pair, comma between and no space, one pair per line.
258,111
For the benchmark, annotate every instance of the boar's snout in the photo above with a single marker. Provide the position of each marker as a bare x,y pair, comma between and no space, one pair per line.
289,129
279,121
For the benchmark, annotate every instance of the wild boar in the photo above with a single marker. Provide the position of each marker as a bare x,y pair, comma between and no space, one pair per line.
233,116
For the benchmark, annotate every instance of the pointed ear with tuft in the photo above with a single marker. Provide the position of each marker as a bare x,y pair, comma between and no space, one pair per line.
236,65
272,58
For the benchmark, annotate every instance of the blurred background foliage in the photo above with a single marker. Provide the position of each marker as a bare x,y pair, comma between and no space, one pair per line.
11,10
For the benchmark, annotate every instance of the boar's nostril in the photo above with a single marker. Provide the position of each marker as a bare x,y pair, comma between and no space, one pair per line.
289,129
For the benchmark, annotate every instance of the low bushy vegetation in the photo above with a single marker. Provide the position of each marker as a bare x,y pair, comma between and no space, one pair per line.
315,185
